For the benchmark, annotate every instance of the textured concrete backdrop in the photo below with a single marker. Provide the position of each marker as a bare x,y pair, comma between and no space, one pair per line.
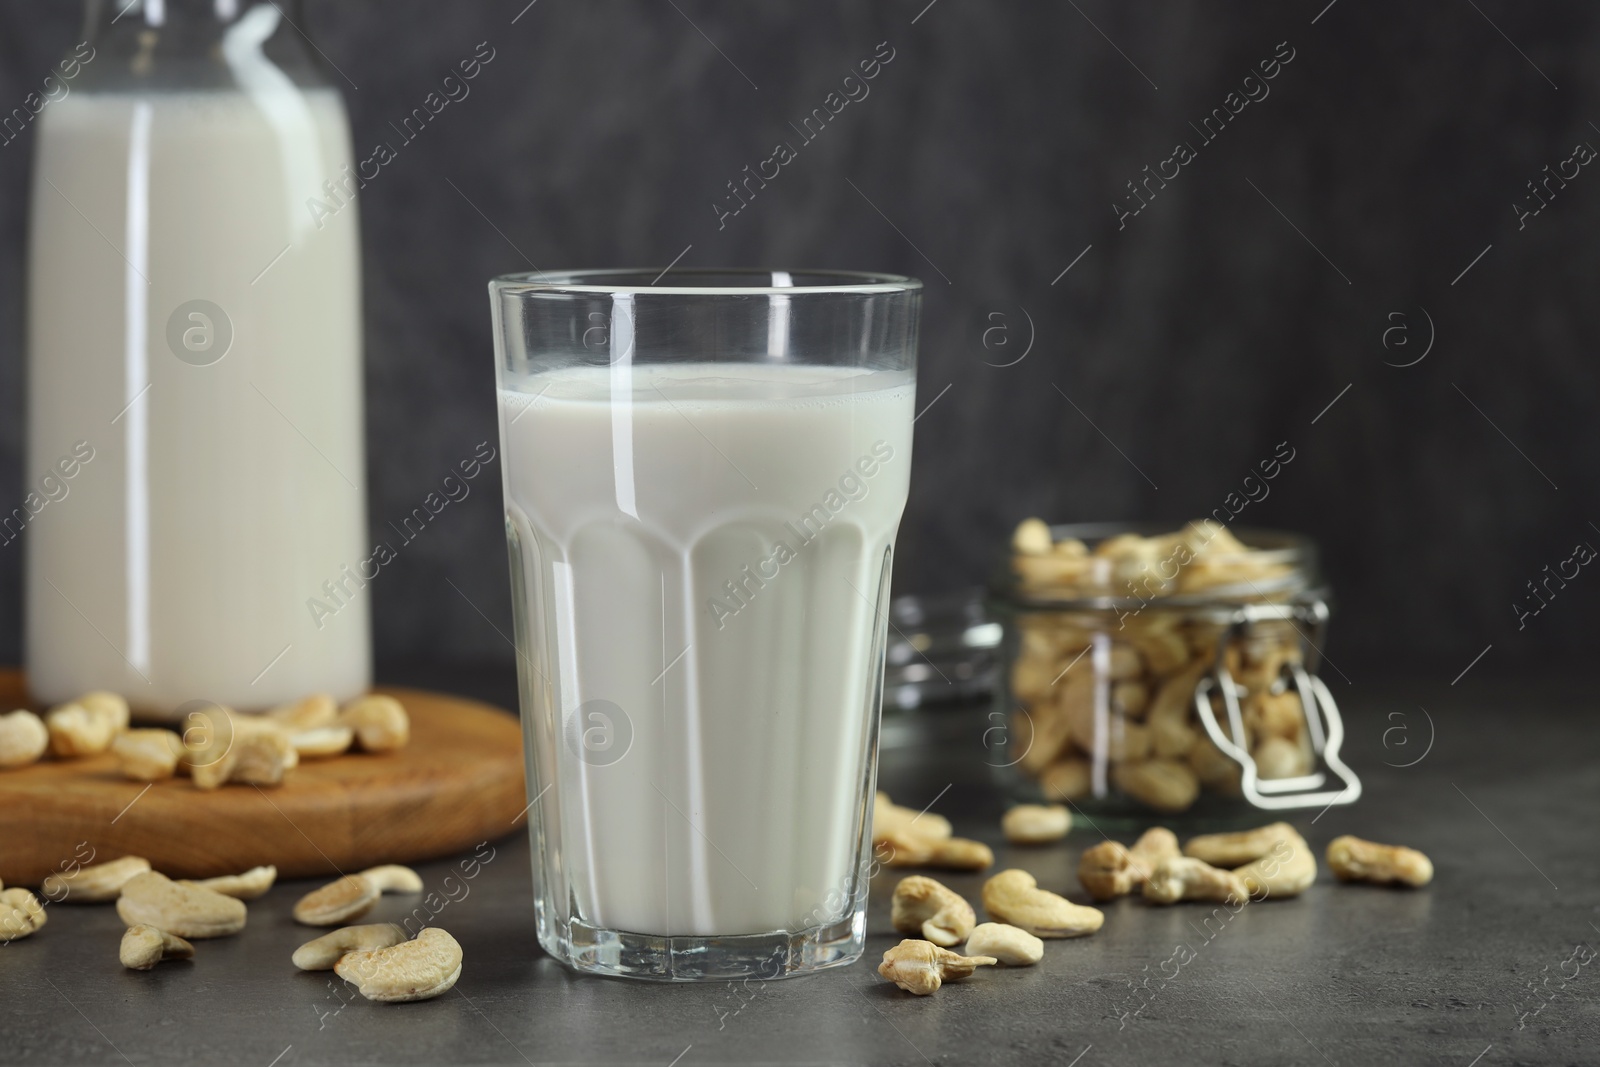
1185,342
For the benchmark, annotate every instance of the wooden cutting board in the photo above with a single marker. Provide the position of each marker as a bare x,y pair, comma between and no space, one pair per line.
457,783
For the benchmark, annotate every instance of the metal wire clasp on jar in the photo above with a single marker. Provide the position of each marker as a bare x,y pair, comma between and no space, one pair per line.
1168,671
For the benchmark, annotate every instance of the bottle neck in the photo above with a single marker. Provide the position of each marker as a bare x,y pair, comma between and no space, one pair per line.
192,16
150,45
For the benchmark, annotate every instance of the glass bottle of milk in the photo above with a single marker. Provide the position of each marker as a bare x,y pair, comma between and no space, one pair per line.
194,336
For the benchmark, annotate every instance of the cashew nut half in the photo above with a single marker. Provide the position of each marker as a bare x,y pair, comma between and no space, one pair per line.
144,946
1010,945
93,885
247,886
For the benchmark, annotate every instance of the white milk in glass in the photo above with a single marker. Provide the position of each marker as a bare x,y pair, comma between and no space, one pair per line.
223,501
707,550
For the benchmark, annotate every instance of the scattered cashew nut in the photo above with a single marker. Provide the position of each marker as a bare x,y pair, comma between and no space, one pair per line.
354,895
1014,897
924,906
23,739
411,970
1153,846
922,839
1186,878
321,953
247,886
20,914
1011,945
1285,872
144,946
1355,860
93,885
185,910
1107,871
921,967
1236,849
1036,824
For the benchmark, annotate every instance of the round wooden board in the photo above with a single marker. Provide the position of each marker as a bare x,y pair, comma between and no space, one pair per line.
457,783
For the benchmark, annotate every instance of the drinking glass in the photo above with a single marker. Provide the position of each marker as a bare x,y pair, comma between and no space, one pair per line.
704,472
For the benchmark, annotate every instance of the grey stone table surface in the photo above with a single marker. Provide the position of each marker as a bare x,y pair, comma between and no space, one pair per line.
1499,782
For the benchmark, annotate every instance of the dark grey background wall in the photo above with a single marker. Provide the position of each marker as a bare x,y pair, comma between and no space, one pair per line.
1178,350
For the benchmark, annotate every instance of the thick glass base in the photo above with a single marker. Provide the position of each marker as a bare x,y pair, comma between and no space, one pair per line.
779,954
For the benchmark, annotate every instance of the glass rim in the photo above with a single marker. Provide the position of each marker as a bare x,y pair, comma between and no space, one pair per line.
638,281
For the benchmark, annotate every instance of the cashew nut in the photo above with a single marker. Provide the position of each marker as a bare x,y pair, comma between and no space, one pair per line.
1185,878
23,739
1286,871
185,910
20,914
1066,779
411,970
924,906
76,731
144,946
148,755
109,706
1014,897
247,886
1235,849
1033,538
1278,757
1163,784
354,895
1107,871
1036,824
921,967
922,839
1355,860
1153,846
1010,945
265,753
323,742
889,817
380,722
309,713
321,953
93,885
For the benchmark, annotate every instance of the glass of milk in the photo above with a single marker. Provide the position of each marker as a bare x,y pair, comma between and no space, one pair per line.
704,472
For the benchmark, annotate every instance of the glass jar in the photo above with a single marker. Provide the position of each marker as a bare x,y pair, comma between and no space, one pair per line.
195,380
1157,673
